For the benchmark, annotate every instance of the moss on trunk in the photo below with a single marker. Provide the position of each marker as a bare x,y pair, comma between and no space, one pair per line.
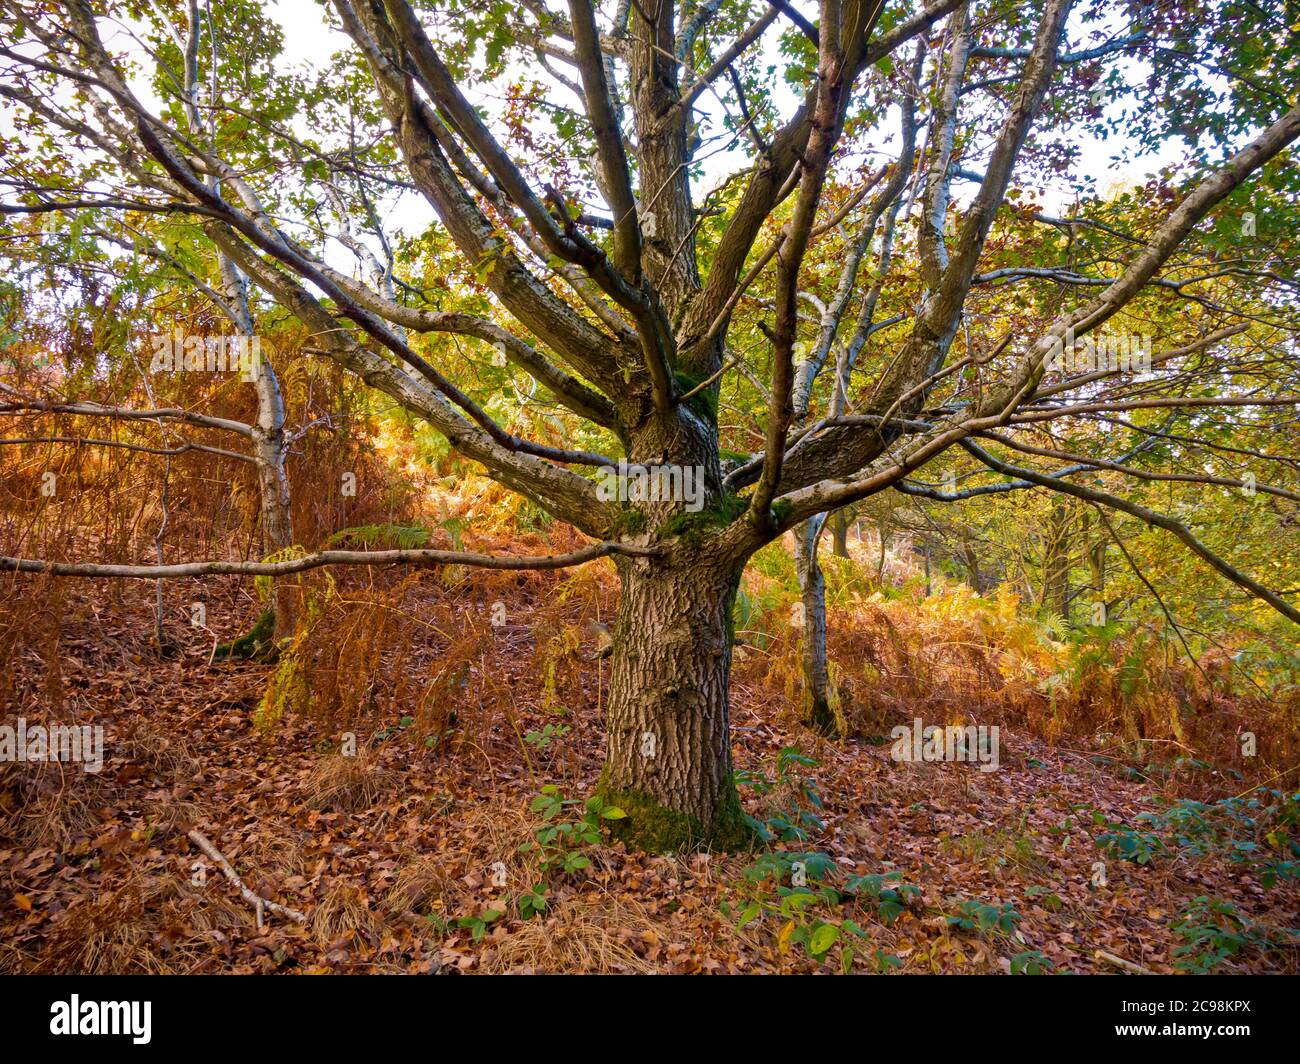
257,645
655,828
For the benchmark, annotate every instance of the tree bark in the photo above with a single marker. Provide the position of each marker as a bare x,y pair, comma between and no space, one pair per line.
270,450
816,710
270,446
1056,563
839,522
668,758
972,560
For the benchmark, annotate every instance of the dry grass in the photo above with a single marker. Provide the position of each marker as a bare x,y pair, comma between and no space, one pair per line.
958,658
52,803
103,934
168,758
277,856
49,803
502,828
344,914
422,884
588,934
149,925
586,929
346,784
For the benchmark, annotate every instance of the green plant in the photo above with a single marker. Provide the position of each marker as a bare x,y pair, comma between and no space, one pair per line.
1129,844
799,868
797,803
532,902
561,842
1046,898
478,925
1254,832
255,645
887,890
370,537
540,740
263,585
795,891
749,614
982,918
1212,931
1030,962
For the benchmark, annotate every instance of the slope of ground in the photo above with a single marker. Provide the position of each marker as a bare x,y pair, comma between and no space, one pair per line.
400,856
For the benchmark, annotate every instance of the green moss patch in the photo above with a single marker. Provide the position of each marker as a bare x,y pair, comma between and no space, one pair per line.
654,828
257,645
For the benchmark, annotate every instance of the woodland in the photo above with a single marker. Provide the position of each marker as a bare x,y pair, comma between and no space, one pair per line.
649,486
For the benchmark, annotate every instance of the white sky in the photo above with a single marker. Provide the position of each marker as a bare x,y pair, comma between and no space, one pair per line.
309,39
309,42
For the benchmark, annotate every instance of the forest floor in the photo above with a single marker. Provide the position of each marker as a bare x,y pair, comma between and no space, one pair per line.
398,857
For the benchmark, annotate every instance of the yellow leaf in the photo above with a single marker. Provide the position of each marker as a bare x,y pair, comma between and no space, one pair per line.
23,902
783,938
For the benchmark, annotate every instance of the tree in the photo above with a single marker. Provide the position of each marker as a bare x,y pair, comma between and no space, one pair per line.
628,311
268,439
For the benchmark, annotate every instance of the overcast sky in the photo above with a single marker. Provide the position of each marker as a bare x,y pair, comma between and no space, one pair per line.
309,39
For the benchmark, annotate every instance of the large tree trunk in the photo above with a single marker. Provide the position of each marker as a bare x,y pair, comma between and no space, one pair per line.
668,759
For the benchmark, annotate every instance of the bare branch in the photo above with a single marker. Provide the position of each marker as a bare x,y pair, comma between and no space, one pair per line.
1152,518
85,441
128,414
323,558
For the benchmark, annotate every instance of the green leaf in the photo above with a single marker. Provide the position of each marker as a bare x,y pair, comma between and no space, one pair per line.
823,939
890,911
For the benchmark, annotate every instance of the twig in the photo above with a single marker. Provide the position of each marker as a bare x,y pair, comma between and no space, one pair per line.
256,900
1120,962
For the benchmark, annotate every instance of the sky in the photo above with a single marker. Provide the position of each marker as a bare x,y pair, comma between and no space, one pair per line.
308,39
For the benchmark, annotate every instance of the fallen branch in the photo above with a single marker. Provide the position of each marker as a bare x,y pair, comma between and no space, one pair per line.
256,900
123,413
1120,962
322,558
85,441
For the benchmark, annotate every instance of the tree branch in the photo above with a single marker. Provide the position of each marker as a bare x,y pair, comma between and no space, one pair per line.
323,558
1156,520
